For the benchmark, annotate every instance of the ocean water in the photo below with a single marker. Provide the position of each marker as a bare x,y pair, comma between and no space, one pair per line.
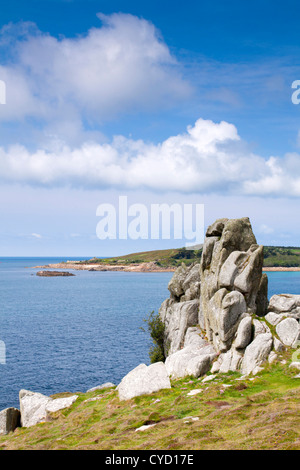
73,333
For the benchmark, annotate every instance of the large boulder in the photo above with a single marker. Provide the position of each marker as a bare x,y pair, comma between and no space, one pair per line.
191,360
288,304
144,380
244,333
257,353
229,361
288,331
9,420
35,407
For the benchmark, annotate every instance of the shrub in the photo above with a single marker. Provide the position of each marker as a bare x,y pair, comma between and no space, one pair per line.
156,328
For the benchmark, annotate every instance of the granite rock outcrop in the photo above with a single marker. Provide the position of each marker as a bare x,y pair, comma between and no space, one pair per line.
223,301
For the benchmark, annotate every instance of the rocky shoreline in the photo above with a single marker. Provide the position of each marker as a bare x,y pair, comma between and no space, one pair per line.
150,267
218,319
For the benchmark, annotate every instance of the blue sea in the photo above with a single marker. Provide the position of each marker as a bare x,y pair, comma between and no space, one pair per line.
73,333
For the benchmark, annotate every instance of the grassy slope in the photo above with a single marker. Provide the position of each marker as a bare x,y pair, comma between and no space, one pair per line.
165,258
250,414
281,256
274,256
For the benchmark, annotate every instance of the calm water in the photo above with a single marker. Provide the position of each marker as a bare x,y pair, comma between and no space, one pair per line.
70,334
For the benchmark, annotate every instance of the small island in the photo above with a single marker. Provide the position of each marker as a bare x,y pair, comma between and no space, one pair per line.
54,273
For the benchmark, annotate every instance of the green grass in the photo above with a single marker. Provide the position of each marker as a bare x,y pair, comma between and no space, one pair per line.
164,258
250,414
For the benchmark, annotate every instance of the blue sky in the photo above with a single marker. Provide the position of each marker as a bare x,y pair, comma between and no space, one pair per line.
164,103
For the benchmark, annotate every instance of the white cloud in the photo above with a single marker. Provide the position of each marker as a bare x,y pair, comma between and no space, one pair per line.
208,158
123,65
36,235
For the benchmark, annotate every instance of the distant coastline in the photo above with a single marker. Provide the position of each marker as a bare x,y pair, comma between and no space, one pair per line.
275,259
150,267
280,268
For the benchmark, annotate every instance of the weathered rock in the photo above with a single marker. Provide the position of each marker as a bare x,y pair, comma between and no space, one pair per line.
176,283
144,380
34,407
9,420
102,386
257,353
288,331
244,333
216,229
178,317
185,283
60,403
262,301
193,337
192,277
190,360
274,318
231,278
272,357
285,303
295,365
278,346
229,295
226,309
54,274
230,361
260,327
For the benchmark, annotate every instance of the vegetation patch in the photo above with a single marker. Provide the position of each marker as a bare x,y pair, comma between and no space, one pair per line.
257,412
274,256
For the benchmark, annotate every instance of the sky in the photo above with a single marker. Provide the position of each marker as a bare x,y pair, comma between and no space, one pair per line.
184,103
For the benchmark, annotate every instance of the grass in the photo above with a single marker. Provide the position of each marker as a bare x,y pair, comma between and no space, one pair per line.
262,413
164,258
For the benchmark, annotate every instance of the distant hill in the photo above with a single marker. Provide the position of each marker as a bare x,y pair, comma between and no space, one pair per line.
281,256
164,258
274,256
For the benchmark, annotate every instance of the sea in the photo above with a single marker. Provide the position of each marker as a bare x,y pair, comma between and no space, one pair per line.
69,334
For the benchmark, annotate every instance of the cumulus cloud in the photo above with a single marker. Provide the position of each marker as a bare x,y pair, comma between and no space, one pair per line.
122,65
208,158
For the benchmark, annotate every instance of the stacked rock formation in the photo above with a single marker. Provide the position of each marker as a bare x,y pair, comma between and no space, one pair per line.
218,310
